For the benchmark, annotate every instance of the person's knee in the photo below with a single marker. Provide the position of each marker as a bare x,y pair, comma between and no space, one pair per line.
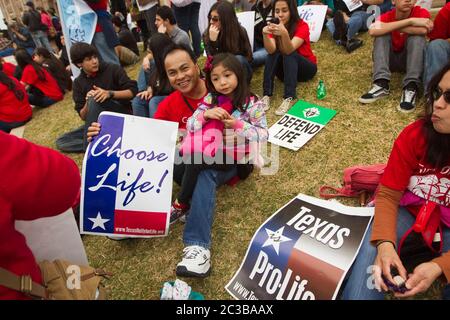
438,45
416,40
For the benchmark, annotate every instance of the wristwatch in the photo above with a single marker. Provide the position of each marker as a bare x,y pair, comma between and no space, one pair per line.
110,94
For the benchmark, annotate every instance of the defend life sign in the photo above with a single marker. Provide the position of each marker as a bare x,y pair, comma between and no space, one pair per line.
302,122
127,177
302,252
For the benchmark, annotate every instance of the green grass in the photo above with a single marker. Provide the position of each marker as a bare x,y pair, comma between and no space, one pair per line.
359,134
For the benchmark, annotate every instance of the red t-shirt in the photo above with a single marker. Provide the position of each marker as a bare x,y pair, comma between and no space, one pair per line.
441,26
399,38
302,32
407,169
9,69
174,108
49,86
11,108
36,182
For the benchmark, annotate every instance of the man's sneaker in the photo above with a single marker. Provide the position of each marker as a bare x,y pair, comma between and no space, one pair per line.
177,211
375,93
196,262
408,101
284,106
266,102
353,44
340,27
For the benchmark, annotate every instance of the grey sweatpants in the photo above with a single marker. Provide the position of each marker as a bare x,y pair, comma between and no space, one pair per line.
410,60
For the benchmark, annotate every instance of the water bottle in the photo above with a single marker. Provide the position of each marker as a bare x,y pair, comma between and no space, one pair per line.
321,90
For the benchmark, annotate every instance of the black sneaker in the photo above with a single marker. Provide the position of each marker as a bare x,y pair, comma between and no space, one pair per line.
340,27
353,44
376,92
408,101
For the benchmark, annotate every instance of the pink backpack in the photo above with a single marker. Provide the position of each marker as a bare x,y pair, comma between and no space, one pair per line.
357,180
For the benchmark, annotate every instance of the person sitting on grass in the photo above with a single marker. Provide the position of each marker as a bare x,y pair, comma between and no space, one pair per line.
399,46
100,86
346,24
153,85
230,105
53,65
263,14
127,51
438,50
43,90
416,177
15,110
165,23
290,58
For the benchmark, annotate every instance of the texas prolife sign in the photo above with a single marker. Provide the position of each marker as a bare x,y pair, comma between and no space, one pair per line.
302,122
302,252
127,177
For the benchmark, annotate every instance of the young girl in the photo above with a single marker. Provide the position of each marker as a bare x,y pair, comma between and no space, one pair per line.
290,56
229,105
15,110
42,88
54,66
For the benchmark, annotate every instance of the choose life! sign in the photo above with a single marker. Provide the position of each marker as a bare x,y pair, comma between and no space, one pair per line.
302,122
127,177
302,252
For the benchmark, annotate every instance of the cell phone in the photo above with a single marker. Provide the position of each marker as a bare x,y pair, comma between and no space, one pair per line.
275,20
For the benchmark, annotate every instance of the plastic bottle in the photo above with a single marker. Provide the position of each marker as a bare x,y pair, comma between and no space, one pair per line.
321,90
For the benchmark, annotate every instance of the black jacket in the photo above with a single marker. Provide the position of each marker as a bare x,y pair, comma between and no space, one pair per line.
32,19
109,77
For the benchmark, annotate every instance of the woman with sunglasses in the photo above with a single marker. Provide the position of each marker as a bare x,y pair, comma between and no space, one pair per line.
225,35
413,202
290,58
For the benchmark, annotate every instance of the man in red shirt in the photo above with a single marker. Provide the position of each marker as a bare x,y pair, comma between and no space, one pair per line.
398,47
438,51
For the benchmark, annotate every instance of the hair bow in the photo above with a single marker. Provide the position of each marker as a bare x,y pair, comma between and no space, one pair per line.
208,64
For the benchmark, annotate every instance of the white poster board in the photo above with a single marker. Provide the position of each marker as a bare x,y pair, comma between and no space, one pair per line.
54,237
247,20
314,16
426,4
127,177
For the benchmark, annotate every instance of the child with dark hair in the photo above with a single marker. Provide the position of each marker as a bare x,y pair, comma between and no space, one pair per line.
153,84
230,105
43,90
100,86
15,110
53,65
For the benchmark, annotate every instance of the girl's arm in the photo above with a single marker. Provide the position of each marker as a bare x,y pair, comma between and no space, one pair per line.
269,43
288,45
256,127
197,120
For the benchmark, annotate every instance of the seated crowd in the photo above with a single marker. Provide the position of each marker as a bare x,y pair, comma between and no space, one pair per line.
171,86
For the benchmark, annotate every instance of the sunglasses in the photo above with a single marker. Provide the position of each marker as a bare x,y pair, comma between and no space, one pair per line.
214,18
437,93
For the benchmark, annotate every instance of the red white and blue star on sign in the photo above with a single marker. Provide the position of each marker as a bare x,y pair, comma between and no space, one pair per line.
127,177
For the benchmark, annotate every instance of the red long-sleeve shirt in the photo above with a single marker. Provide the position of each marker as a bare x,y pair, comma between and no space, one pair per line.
35,182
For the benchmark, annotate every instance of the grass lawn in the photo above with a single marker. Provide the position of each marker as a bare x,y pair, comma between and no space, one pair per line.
358,134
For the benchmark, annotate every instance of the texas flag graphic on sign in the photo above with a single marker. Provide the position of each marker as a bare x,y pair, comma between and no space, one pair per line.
127,177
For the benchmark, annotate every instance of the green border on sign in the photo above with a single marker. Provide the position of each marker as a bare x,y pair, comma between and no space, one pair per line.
325,114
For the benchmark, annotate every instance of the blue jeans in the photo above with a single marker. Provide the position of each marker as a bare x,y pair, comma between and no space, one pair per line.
153,104
247,67
288,68
187,19
7,52
40,101
357,22
41,40
107,54
259,56
359,278
140,107
437,55
201,215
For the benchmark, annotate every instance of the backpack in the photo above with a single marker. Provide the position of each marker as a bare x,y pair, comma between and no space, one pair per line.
62,280
357,180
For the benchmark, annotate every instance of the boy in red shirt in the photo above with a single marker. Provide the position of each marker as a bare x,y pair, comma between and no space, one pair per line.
398,47
438,50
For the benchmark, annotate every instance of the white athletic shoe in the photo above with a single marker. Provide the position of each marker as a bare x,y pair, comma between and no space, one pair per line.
196,262
266,101
284,106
